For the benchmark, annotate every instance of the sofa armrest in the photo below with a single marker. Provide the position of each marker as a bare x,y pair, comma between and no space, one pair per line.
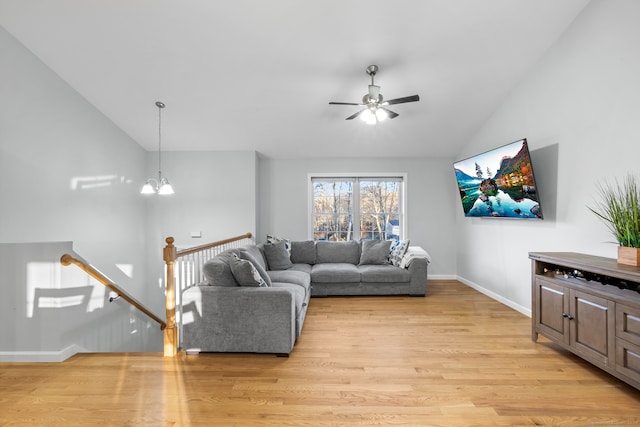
418,270
238,319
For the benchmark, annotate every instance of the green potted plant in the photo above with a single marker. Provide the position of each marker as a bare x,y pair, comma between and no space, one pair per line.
619,209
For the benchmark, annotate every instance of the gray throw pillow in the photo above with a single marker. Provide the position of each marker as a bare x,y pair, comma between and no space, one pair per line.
217,270
277,239
303,252
256,253
258,266
277,256
347,252
245,273
375,252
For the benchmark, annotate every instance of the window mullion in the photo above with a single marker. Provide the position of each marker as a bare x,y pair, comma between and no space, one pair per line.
356,209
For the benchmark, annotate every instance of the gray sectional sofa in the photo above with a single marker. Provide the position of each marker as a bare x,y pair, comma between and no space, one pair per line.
255,298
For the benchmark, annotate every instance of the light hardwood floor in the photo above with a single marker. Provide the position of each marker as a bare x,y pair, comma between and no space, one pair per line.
454,358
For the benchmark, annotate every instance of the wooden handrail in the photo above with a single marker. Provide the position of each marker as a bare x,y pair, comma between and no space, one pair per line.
170,255
206,246
67,259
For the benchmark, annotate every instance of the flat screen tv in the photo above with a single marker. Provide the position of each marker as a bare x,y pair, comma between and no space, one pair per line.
499,183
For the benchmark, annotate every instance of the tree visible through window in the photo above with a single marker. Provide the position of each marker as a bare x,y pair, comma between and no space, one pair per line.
368,208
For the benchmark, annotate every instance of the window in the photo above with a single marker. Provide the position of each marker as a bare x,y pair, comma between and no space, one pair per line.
357,207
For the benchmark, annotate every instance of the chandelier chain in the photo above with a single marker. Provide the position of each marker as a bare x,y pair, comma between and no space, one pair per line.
160,106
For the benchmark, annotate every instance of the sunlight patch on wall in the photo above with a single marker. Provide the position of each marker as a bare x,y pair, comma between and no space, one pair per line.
60,302
127,269
49,285
98,181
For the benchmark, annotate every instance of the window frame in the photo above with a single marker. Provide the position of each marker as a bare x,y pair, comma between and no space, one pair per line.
357,177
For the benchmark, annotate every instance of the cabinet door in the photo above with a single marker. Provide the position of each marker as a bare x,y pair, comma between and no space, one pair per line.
593,327
552,301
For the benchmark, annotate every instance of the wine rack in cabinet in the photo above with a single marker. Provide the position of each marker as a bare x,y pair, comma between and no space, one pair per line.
590,306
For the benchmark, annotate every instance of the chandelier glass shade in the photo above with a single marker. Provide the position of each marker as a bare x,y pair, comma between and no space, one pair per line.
161,185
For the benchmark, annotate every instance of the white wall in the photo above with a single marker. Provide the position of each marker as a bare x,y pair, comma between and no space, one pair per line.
284,207
67,173
215,194
579,110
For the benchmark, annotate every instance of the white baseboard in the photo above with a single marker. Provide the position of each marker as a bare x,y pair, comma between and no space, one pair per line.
524,310
442,277
40,356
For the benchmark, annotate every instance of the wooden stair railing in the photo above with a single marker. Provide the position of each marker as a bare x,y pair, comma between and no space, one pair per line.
67,259
184,269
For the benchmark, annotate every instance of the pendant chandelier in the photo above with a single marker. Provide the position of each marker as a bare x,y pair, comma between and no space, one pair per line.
161,185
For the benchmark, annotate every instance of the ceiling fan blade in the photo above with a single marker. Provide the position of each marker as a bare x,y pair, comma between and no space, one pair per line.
411,98
343,103
353,116
390,114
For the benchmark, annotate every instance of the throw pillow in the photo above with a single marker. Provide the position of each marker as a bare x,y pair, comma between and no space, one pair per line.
217,270
375,252
277,256
245,273
303,252
256,253
329,252
399,252
263,273
392,248
276,239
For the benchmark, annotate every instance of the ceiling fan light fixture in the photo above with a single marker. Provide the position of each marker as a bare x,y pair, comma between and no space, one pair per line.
373,102
381,114
374,93
369,117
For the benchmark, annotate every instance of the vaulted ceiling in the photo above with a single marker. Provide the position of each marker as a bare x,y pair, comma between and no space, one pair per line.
258,75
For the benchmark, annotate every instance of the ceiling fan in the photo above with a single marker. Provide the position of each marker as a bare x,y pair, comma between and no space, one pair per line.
376,110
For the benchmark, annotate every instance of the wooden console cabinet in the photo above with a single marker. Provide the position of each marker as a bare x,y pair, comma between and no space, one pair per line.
591,306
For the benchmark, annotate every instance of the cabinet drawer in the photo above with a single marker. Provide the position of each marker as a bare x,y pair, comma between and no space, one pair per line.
628,359
628,323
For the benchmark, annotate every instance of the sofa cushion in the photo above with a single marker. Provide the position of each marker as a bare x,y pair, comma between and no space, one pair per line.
217,270
256,254
291,276
335,273
375,252
245,273
338,252
384,274
257,264
303,252
305,268
277,256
